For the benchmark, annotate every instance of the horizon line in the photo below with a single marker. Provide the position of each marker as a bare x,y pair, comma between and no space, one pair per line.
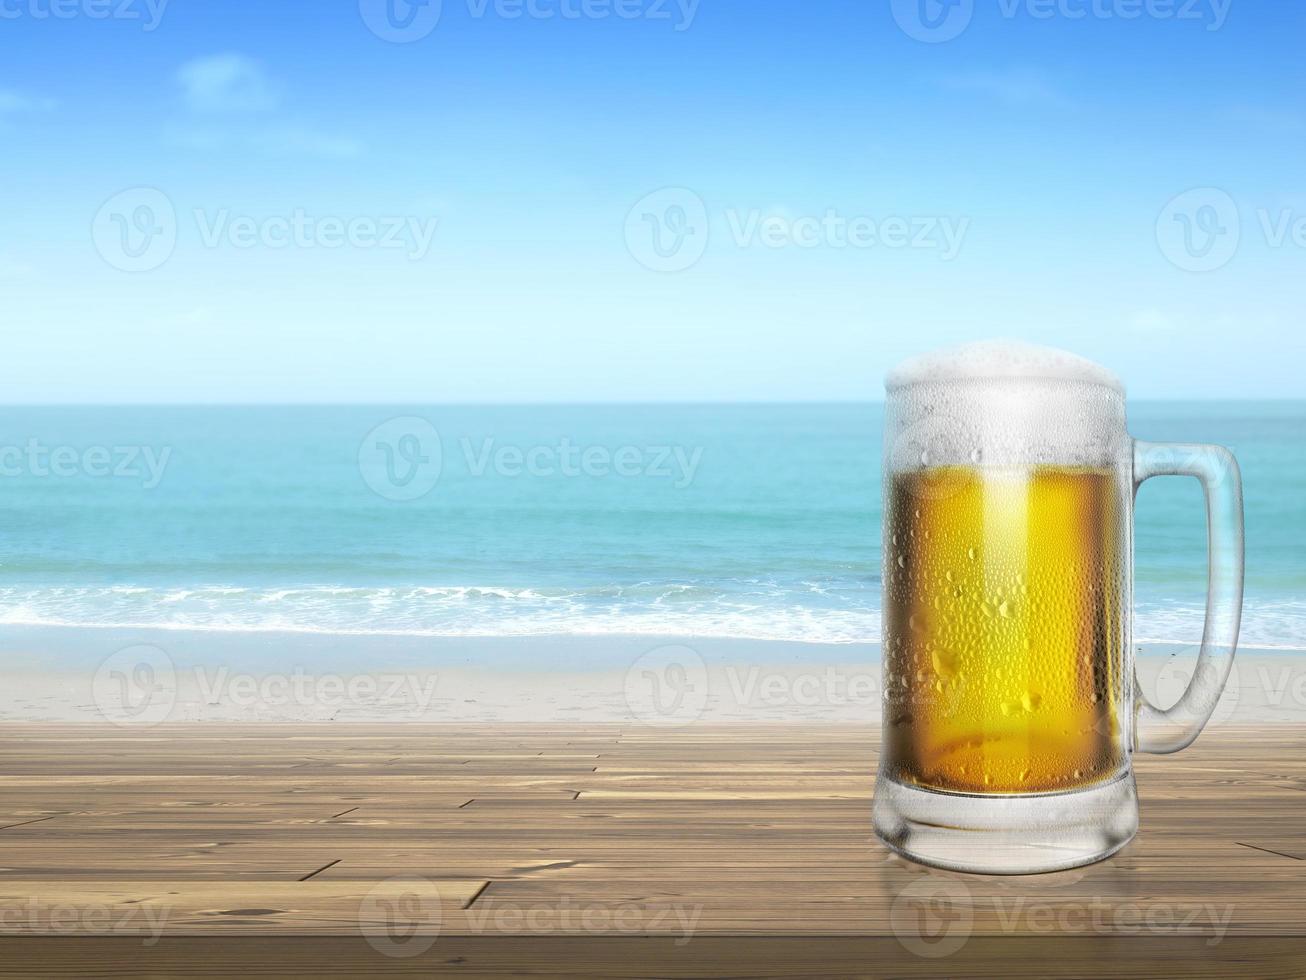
685,403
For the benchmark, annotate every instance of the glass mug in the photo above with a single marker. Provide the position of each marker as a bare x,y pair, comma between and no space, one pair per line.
1011,710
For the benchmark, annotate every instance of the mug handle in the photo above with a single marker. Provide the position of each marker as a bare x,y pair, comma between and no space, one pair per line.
1174,728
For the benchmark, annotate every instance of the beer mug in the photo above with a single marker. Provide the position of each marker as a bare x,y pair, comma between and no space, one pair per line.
1011,710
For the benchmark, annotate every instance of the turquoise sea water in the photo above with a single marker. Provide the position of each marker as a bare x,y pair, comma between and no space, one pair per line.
751,521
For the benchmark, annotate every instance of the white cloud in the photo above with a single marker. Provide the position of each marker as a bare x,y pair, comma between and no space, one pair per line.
1014,86
227,83
234,85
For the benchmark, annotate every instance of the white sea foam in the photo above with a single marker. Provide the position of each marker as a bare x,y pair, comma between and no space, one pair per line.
766,612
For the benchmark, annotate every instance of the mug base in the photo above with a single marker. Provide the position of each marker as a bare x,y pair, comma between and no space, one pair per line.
1006,835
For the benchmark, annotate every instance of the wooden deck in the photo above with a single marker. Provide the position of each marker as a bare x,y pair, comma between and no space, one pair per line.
603,852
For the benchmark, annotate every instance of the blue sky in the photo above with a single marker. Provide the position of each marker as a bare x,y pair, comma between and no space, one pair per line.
269,202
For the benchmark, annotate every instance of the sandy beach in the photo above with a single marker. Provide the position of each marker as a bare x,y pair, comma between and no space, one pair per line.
145,678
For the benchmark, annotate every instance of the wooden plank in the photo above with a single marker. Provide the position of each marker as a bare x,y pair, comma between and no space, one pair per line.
43,907
590,839
637,958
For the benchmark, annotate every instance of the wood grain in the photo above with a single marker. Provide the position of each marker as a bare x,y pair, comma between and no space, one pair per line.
568,851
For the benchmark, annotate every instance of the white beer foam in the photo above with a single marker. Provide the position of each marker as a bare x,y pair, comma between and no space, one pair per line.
1000,359
1004,403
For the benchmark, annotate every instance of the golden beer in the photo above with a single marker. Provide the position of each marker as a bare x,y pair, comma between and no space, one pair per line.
1005,597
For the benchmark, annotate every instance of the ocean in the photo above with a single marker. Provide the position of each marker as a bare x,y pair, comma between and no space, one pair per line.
751,521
